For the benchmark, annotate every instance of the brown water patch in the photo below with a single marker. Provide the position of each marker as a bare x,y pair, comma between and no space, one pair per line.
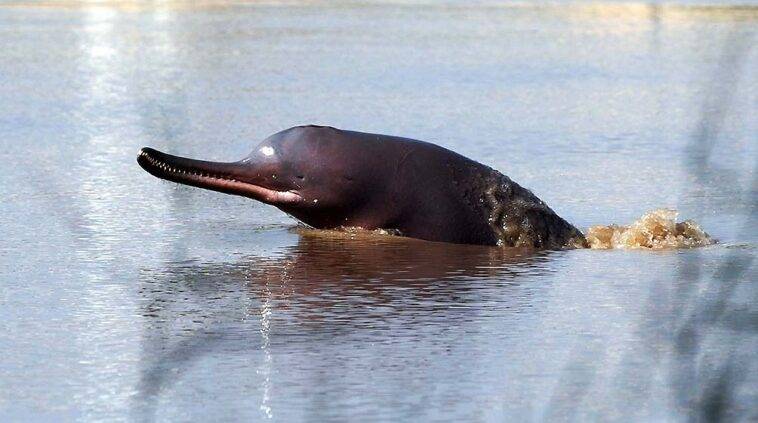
353,232
657,229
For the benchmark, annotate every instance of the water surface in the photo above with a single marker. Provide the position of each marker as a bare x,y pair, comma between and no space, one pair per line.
127,298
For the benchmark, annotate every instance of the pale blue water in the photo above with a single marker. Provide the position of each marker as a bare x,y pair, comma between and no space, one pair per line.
123,297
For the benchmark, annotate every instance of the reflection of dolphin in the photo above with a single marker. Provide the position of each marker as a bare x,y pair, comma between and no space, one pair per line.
323,256
196,309
329,178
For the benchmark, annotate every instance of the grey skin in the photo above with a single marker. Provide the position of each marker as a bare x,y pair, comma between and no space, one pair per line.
330,178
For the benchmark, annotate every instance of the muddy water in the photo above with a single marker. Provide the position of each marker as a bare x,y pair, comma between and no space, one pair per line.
126,298
657,229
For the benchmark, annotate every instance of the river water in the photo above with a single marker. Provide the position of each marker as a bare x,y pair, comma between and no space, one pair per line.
123,297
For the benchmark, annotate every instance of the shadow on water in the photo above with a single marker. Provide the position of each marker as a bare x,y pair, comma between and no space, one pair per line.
702,312
707,387
327,288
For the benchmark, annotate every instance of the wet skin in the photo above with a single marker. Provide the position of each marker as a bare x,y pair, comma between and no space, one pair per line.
330,178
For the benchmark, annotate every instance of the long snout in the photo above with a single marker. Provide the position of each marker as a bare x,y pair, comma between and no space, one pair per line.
174,168
227,177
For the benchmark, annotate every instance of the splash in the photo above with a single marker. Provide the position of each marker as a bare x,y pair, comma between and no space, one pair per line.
656,229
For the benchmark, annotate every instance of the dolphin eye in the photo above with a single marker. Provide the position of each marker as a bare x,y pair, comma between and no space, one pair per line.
300,176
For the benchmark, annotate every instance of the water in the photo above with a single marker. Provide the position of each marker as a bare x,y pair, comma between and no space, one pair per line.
128,298
657,229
